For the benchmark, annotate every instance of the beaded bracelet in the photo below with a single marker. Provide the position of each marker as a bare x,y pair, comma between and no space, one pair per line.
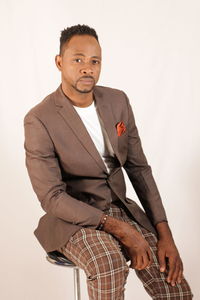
102,222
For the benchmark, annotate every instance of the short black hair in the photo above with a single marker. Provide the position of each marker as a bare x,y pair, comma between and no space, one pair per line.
69,32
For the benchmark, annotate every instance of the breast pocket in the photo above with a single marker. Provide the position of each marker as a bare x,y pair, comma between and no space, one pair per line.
123,146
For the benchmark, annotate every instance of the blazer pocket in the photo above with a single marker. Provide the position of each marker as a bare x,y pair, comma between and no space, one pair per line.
125,133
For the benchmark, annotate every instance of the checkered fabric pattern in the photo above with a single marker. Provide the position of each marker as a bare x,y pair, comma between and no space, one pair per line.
104,261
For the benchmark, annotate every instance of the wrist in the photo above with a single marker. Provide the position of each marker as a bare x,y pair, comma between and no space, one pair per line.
102,222
163,230
111,225
119,229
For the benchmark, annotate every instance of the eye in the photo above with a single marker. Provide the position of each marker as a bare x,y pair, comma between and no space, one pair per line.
77,60
95,62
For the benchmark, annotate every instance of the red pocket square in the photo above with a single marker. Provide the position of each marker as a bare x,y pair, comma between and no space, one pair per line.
121,128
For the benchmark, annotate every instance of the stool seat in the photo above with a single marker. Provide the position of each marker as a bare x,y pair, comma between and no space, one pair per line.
57,258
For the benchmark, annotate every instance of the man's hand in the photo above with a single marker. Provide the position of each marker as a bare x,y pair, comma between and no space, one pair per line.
137,248
168,255
135,244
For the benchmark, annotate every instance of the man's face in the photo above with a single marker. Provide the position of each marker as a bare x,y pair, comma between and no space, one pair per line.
80,63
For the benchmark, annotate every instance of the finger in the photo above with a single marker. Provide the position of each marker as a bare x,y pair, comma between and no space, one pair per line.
180,274
175,274
145,259
150,256
179,271
162,261
133,262
139,262
172,267
131,265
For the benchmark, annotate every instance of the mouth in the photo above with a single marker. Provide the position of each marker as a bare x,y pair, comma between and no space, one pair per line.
87,81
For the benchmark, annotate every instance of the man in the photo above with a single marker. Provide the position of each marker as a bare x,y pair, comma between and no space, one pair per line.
77,140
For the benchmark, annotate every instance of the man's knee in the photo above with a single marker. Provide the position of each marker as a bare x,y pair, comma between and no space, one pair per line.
108,264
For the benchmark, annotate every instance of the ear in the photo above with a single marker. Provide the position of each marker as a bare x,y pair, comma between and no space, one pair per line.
58,61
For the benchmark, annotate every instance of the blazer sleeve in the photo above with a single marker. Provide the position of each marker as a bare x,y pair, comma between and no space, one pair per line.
45,176
140,173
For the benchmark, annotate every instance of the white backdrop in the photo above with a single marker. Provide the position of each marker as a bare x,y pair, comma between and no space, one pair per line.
151,51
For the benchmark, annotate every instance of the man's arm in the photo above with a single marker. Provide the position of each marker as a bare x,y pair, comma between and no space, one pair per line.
140,175
45,175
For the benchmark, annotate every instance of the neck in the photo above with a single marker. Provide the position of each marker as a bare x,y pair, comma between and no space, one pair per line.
77,98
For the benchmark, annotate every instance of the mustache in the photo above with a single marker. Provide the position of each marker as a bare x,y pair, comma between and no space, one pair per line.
86,77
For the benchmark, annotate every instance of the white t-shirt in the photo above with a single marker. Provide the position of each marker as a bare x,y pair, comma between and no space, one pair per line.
96,129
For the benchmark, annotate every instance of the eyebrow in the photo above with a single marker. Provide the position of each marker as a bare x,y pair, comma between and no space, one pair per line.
81,54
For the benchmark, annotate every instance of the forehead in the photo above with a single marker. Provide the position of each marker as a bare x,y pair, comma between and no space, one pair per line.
85,44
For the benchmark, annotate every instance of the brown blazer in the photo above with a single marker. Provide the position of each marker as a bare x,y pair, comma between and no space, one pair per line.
68,174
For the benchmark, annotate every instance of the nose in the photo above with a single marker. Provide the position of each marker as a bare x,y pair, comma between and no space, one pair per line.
87,70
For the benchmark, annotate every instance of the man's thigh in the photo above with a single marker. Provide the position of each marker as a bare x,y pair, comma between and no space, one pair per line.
100,256
94,251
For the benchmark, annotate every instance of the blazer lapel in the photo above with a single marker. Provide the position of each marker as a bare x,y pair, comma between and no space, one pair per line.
71,117
105,111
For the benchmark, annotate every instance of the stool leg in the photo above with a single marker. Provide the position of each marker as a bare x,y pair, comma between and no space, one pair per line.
77,291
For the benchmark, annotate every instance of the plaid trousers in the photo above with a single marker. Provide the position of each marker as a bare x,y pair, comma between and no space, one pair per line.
104,262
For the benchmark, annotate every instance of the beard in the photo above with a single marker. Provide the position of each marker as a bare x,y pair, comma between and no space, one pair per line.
84,90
